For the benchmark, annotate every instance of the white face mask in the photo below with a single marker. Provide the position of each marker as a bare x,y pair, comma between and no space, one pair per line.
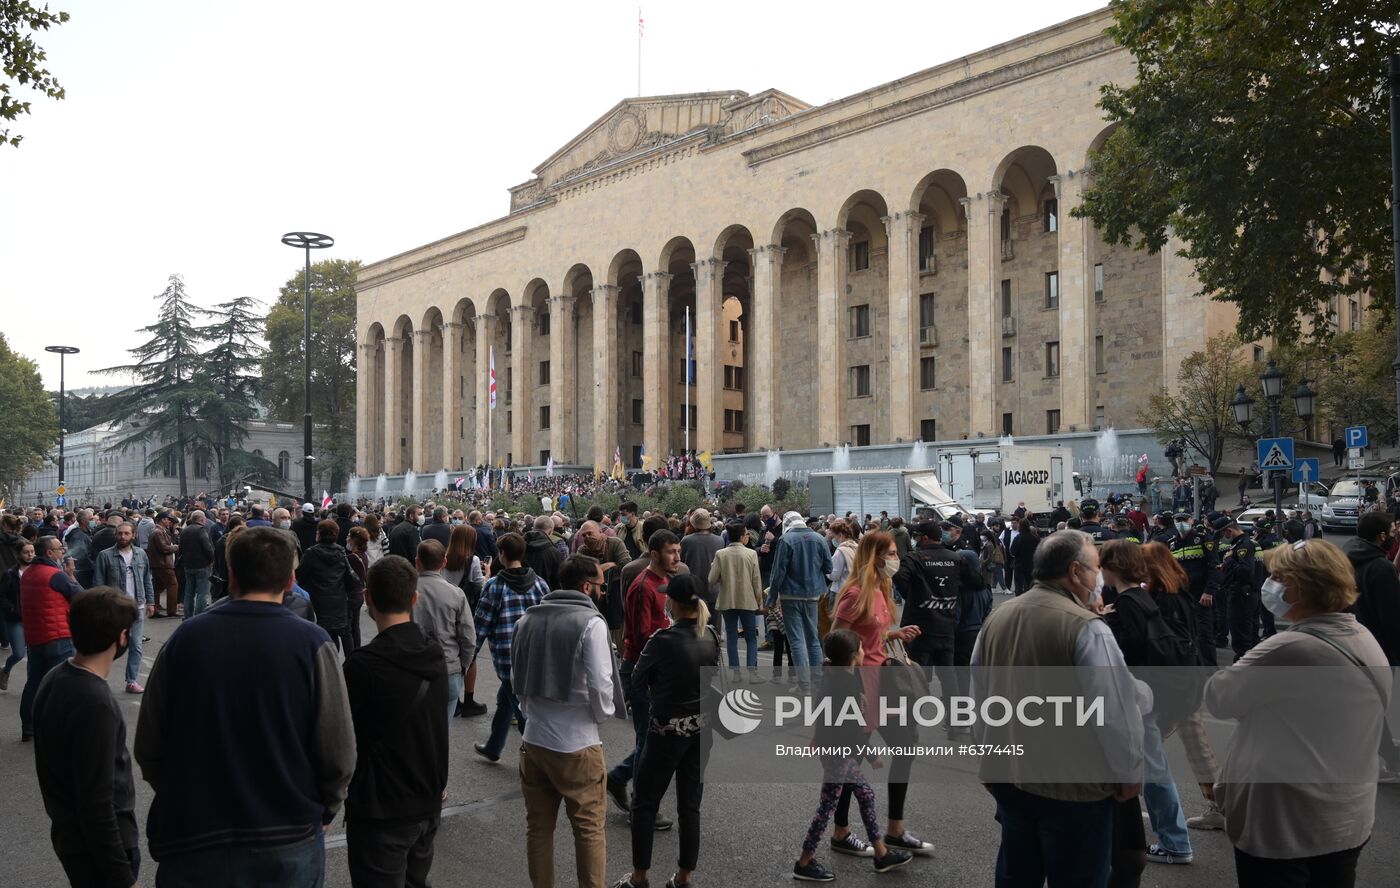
422,519
891,567
1097,595
284,523
1271,596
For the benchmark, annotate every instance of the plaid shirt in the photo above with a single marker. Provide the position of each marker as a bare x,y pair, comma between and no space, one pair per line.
499,609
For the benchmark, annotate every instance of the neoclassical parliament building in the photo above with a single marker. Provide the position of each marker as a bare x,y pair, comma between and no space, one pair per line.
898,265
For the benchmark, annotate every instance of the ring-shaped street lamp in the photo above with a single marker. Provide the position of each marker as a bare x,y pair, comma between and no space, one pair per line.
63,351
308,241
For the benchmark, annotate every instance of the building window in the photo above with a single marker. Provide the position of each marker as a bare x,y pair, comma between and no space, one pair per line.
544,416
1098,282
1052,215
508,422
1100,417
1258,354
1052,422
926,262
927,375
201,464
1006,297
1354,314
544,373
733,420
1052,359
926,302
689,418
1100,359
860,321
510,382
1007,364
636,364
860,256
637,411
860,381
733,331
506,332
733,378
1005,225
171,467
544,323
634,311
928,430
636,456
688,371
1052,289
860,435
284,465
544,457
1006,424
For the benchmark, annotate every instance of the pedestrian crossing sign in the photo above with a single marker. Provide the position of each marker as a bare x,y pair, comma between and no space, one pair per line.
1275,453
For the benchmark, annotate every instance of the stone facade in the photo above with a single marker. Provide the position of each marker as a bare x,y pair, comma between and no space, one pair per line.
900,264
99,473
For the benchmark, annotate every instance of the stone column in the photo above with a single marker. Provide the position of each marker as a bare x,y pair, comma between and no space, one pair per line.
709,355
902,230
522,375
364,373
983,273
485,336
761,366
830,408
418,436
656,365
451,395
605,369
393,404
1076,296
562,379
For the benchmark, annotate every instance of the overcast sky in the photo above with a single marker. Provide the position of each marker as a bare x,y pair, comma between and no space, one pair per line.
194,134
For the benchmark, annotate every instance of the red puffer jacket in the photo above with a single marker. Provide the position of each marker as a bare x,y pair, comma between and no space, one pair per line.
45,593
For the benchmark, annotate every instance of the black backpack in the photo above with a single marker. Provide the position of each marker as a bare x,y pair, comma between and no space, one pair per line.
1170,669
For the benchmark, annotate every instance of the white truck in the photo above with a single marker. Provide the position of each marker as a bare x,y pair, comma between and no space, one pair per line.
909,493
1001,477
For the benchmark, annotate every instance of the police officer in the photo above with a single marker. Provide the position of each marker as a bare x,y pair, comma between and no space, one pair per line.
1198,560
1123,529
1089,522
1237,584
1163,530
1265,540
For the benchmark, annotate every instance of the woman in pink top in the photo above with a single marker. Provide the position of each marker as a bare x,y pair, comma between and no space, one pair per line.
866,606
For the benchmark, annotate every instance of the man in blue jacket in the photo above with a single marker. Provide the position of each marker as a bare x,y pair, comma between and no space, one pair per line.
801,566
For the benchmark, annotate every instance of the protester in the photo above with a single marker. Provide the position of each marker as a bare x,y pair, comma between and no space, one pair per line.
443,614
127,568
405,536
504,600
306,527
1022,548
698,550
326,575
224,682
197,552
801,565
81,758
397,687
734,570
11,616
1298,786
45,594
378,545
356,545
540,554
564,699
843,555
160,552
463,569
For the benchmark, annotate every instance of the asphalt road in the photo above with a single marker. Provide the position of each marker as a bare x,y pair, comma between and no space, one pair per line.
750,835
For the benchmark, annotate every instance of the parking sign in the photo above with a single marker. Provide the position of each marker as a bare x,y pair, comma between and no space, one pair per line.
1356,436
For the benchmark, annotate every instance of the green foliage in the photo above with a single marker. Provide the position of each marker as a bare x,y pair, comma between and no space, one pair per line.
1200,410
755,497
240,465
171,390
30,425
84,412
22,60
1353,377
332,361
781,487
1257,133
229,372
681,498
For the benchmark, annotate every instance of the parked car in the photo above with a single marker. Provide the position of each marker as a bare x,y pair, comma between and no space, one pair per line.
1313,497
1344,503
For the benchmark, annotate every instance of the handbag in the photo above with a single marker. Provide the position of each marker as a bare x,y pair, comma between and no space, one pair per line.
902,676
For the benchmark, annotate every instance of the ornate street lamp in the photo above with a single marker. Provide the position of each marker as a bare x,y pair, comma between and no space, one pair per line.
1243,405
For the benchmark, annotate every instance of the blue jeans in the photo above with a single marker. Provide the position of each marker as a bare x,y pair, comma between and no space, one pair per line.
640,701
804,644
733,619
1066,843
506,707
42,658
196,590
14,634
133,653
298,865
455,682
1159,793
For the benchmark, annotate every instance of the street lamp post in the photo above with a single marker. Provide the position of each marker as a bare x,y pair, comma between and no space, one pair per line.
63,351
307,241
1272,382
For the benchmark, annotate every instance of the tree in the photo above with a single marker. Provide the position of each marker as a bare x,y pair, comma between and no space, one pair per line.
1200,411
332,362
229,371
167,402
21,60
84,412
1353,377
30,426
1258,134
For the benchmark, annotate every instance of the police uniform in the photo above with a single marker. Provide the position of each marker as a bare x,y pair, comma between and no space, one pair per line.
1267,540
1198,560
1237,578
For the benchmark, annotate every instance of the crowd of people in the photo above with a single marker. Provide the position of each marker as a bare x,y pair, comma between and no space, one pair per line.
628,615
